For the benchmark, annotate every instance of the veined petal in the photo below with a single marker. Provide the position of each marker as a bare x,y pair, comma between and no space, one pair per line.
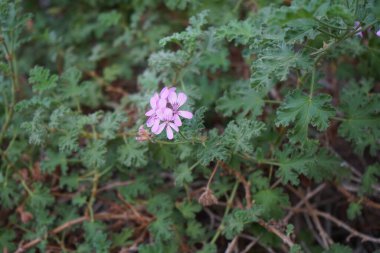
149,113
156,125
164,93
172,98
168,114
177,120
160,113
150,122
160,128
185,114
172,125
172,89
161,103
169,132
153,100
182,98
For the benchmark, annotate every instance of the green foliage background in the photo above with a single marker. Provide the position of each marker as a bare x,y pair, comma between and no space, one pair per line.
286,100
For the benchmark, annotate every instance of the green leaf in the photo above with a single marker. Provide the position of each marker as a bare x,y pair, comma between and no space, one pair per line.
292,163
71,89
213,149
195,230
354,210
271,201
170,246
338,248
122,238
6,239
326,166
132,154
162,228
289,230
40,197
111,123
361,110
93,155
239,31
161,205
190,37
139,187
370,177
182,174
234,222
52,161
208,248
107,20
188,209
71,181
296,249
42,79
241,100
36,128
96,238
238,135
177,4
302,111
274,64
112,72
9,195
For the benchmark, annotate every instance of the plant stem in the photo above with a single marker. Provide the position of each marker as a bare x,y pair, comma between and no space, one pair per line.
11,62
26,188
226,211
236,8
254,159
268,101
312,84
212,175
94,190
331,26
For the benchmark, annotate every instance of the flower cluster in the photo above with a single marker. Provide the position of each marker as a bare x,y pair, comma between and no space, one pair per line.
357,27
165,111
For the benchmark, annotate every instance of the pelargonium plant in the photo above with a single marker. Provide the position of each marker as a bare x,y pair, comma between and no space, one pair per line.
165,111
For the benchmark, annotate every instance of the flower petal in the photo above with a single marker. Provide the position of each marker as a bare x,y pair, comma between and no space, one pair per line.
156,125
153,100
160,113
149,113
181,98
168,114
378,33
164,93
150,122
185,114
172,98
177,120
175,128
161,103
169,132
160,128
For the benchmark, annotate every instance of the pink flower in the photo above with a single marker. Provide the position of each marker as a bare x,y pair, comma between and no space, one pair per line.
357,27
165,92
165,108
156,103
166,116
176,102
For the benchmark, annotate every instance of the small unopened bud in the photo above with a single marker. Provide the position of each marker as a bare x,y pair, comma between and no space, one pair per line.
143,135
207,198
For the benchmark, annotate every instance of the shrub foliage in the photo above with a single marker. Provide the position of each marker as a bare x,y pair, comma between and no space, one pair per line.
285,134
